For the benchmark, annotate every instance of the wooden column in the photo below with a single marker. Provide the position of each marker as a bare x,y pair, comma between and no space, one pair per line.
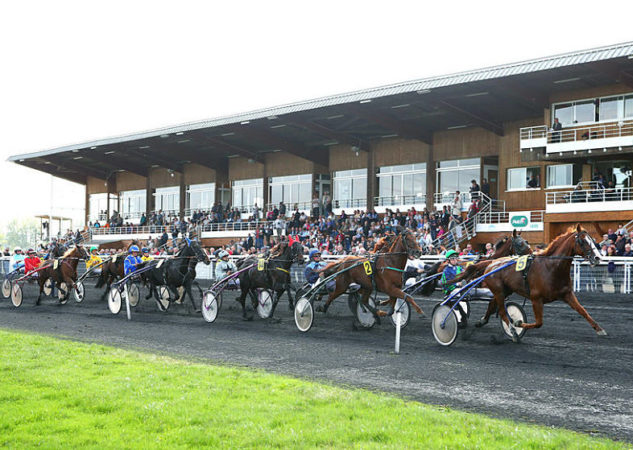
149,198
87,208
221,180
182,196
430,179
371,178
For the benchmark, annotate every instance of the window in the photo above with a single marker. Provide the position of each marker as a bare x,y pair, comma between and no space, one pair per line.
201,196
98,204
609,108
402,184
569,114
456,175
292,189
350,188
247,193
521,178
563,175
132,203
594,110
167,199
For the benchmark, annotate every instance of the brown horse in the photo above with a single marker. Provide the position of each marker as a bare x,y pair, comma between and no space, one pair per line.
113,270
506,246
65,272
382,271
548,278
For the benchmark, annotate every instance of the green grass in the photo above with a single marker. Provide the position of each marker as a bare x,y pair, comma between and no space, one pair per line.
59,393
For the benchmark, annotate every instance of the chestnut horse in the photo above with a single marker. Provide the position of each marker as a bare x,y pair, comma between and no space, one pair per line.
113,270
65,272
548,278
382,271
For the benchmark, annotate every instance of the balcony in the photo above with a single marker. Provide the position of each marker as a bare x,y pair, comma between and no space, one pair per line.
504,221
402,202
600,136
589,197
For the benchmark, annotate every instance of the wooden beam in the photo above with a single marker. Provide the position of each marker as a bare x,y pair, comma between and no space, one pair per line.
154,158
122,162
472,116
402,128
324,131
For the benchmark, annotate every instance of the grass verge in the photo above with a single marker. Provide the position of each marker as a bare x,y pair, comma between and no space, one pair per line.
58,393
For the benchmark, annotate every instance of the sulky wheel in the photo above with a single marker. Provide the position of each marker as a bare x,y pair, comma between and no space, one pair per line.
6,288
48,287
16,294
79,292
264,303
210,306
163,298
304,314
405,313
514,312
444,335
364,316
63,296
133,294
115,301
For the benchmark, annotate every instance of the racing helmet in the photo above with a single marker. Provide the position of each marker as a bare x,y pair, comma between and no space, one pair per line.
17,249
29,251
93,248
133,248
314,252
145,250
451,254
223,253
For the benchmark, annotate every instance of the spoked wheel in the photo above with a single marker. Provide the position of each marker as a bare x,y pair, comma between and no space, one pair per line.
364,316
133,294
48,287
210,306
264,303
304,314
163,298
16,294
115,301
444,335
79,292
515,312
63,296
6,288
404,308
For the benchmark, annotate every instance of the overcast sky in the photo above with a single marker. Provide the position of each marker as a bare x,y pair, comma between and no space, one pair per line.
78,71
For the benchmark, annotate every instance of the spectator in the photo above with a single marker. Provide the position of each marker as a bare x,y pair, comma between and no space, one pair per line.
474,190
556,130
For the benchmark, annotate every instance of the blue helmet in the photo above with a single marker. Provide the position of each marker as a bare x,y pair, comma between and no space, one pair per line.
145,250
133,248
313,252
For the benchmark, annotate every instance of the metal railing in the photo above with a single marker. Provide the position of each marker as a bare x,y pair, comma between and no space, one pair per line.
594,194
574,134
159,229
492,217
290,207
355,203
400,200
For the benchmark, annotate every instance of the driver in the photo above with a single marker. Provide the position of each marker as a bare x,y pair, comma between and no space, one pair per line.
94,260
17,260
132,261
451,270
224,268
311,274
146,256
31,262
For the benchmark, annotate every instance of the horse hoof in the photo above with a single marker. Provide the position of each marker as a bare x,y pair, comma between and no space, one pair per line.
602,333
247,318
480,323
517,323
320,309
515,336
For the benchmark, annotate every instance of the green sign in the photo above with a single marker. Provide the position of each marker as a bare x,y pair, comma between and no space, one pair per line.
519,221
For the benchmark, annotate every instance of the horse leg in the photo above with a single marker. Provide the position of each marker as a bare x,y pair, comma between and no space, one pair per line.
492,307
291,301
242,300
41,280
396,292
366,293
190,294
338,291
572,301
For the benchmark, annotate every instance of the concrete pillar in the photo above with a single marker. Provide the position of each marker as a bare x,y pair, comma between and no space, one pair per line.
430,179
87,208
371,178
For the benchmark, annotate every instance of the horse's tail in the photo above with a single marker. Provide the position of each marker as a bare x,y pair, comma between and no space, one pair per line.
472,271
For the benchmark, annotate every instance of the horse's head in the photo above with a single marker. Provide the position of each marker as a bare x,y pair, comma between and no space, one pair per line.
410,244
296,252
198,251
585,246
519,245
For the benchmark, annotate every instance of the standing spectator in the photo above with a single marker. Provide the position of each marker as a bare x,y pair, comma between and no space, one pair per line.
556,127
474,190
279,225
315,205
485,187
457,204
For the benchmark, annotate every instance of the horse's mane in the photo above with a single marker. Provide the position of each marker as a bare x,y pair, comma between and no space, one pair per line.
556,243
500,242
69,252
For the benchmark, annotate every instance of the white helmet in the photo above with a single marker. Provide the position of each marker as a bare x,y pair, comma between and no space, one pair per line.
223,253
18,249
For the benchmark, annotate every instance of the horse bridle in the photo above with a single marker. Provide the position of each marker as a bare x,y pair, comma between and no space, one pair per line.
516,240
581,242
403,238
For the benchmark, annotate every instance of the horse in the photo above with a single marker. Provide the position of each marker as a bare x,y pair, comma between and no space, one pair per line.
548,278
112,270
65,272
275,275
382,270
176,272
505,246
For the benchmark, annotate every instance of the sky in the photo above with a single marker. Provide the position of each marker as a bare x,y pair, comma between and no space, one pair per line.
74,71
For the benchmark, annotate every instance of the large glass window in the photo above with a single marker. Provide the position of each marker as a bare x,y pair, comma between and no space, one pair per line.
98,204
563,175
201,196
167,199
132,203
402,184
521,178
609,108
292,190
350,188
247,193
586,111
457,175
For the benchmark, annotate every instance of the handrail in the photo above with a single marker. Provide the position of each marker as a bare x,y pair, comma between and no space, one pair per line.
588,195
583,133
159,229
403,200
350,203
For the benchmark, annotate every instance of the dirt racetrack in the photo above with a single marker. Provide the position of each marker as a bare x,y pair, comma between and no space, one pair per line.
562,374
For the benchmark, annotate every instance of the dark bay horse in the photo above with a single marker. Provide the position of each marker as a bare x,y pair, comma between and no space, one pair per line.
548,278
176,272
275,274
65,272
506,246
382,271
113,270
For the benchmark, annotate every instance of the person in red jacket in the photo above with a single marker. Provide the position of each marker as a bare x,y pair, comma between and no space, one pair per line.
32,261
